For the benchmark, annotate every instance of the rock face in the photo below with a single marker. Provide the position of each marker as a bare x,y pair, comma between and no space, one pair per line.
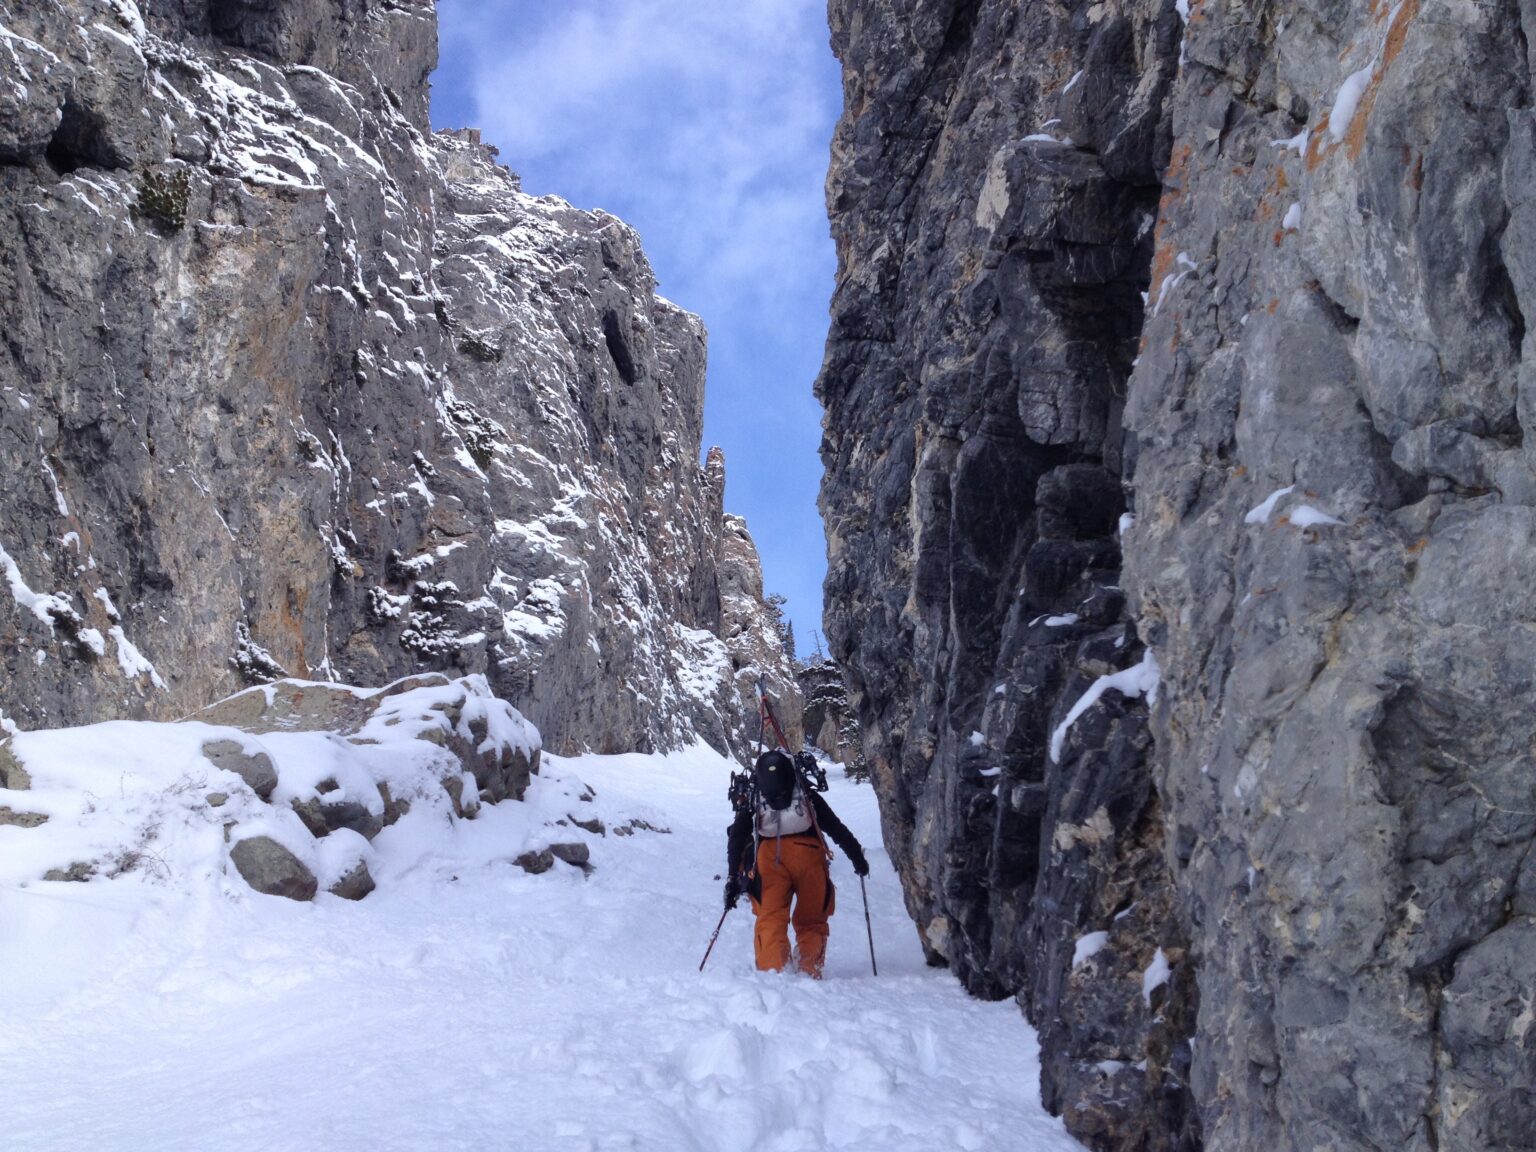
826,706
1344,737
293,386
757,656
984,324
1314,853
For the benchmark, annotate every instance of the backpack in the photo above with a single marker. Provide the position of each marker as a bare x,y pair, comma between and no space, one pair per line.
782,806
743,788
776,792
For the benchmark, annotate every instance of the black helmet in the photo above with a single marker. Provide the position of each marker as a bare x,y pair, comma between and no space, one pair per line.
775,774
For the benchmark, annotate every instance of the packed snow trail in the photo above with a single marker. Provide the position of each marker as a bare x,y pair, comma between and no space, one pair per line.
468,1005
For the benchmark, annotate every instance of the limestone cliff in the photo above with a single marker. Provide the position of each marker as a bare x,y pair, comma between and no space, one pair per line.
292,385
993,202
1257,275
1332,557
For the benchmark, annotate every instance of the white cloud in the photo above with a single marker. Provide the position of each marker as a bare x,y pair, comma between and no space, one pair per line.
706,122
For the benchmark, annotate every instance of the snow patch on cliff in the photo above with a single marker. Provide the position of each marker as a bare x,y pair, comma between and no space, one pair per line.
1137,680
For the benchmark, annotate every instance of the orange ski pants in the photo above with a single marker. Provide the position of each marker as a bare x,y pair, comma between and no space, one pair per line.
793,869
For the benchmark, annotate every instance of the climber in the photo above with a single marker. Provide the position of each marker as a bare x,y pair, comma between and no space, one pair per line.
776,855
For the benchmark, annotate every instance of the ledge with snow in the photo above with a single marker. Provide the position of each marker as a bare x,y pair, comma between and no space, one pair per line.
285,787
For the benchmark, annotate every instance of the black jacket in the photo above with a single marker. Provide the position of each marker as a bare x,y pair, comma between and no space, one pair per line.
739,837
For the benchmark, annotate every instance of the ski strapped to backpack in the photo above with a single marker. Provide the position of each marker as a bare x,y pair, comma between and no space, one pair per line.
812,774
744,794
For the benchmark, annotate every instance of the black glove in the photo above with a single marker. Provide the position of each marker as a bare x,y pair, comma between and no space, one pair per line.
732,893
860,865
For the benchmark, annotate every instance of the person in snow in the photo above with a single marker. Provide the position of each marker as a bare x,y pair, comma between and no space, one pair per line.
778,858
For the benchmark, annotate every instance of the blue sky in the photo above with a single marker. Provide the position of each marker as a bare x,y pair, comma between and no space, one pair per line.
705,125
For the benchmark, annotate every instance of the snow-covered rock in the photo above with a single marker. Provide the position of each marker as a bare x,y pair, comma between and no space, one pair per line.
285,785
295,387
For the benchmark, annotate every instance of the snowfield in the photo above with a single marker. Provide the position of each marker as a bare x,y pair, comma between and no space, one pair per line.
469,1005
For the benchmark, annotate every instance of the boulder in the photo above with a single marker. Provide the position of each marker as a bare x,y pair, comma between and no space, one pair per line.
536,862
272,870
16,819
575,854
356,884
255,769
12,774
292,706
77,873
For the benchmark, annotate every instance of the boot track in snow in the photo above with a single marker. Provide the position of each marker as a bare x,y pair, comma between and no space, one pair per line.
466,1004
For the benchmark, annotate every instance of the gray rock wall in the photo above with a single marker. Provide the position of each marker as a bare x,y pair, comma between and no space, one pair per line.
1345,735
993,192
1322,830
291,385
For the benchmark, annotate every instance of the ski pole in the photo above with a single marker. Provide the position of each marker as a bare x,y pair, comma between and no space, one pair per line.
870,931
716,936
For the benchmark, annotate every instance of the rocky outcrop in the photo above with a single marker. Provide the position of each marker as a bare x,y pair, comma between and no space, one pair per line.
1332,557
758,660
294,387
993,205
827,714
286,786
1313,853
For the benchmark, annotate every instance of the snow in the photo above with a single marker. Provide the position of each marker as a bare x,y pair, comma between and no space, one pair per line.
1348,100
1260,513
1127,522
1187,264
1307,516
1062,621
1134,681
45,606
1296,143
978,739
1292,220
131,660
1155,976
58,496
465,1003
1088,946
1072,83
